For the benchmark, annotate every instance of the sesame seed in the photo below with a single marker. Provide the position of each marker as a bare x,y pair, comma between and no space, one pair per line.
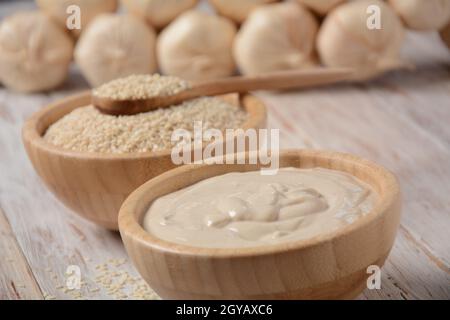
85,129
144,86
48,296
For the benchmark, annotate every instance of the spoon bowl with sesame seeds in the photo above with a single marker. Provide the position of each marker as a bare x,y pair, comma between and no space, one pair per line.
92,161
142,93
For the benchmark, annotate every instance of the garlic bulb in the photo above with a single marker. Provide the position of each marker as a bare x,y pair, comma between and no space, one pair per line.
321,7
57,9
115,46
423,15
35,52
197,46
276,37
158,13
445,35
237,10
345,40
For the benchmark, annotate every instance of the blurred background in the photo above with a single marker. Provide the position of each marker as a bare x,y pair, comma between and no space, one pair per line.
196,46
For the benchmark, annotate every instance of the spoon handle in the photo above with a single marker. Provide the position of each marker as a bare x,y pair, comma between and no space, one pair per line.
271,81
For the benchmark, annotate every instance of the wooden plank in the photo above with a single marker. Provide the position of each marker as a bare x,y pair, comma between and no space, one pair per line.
410,274
16,278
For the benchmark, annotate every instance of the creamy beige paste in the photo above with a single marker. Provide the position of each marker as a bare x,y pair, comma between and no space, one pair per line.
250,209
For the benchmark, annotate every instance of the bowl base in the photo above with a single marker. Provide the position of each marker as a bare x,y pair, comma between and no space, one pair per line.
347,288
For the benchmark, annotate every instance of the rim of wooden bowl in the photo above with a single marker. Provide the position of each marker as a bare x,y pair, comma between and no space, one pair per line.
34,128
130,223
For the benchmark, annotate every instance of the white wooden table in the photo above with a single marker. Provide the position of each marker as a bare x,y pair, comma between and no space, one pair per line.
401,121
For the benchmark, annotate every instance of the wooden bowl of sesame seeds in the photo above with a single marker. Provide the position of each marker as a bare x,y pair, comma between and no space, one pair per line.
93,183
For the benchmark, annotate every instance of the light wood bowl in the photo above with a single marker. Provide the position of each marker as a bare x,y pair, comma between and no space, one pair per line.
94,185
330,266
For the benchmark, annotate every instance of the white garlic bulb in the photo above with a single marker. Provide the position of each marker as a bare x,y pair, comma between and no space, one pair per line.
345,39
423,15
114,46
35,52
237,10
321,7
197,46
276,37
158,13
89,9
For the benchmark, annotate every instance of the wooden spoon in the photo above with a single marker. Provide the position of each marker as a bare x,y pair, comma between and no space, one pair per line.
240,84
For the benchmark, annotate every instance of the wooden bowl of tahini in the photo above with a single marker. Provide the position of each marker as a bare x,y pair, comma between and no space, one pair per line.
330,266
94,185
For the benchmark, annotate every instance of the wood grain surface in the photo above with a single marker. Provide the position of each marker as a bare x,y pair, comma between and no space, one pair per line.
400,120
